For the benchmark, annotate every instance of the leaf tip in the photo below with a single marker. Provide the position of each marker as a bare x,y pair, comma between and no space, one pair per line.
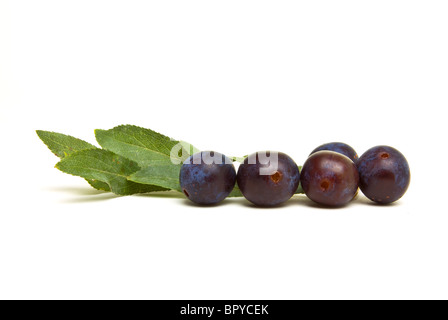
39,133
98,133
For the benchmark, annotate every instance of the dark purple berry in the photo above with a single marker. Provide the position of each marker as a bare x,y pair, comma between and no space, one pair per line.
268,184
329,178
338,147
384,174
207,177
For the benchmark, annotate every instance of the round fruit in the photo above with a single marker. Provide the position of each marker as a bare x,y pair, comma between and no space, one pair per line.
384,174
338,147
266,183
207,177
329,178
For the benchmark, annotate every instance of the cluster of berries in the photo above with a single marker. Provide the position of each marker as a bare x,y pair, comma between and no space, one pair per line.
330,176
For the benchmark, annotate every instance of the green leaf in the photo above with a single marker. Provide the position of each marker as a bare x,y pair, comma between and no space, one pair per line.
107,167
161,174
189,148
99,185
299,189
236,192
238,159
141,145
63,145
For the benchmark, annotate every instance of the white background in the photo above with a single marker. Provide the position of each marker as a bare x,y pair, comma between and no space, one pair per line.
235,77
